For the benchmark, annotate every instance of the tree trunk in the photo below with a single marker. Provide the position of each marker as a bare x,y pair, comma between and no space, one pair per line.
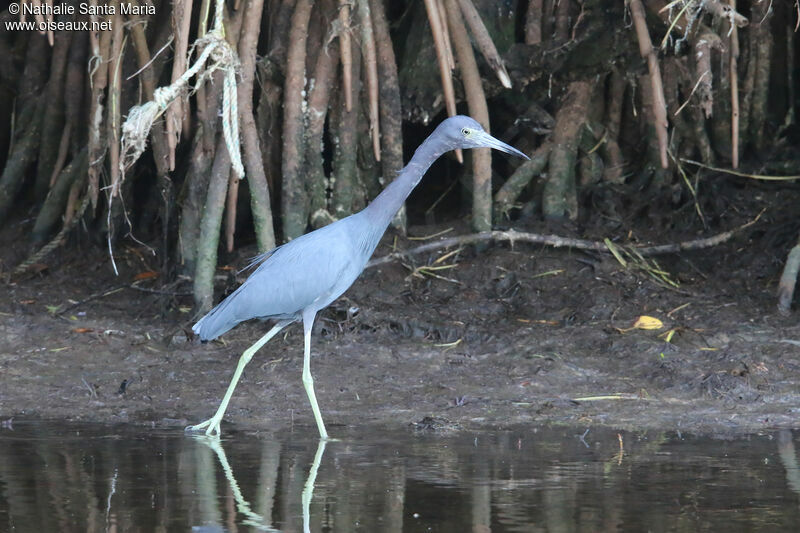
256,177
345,157
56,202
391,114
294,208
476,101
210,225
559,196
54,117
22,156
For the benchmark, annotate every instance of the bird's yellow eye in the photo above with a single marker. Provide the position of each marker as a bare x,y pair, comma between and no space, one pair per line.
465,132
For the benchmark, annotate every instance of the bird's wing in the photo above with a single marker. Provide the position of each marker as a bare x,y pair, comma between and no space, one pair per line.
256,260
303,272
311,270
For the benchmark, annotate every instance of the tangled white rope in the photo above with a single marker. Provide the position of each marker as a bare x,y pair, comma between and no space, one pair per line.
140,119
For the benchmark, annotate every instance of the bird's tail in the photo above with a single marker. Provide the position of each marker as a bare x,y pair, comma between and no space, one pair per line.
216,322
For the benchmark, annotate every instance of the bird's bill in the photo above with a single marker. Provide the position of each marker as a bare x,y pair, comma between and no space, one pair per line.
487,140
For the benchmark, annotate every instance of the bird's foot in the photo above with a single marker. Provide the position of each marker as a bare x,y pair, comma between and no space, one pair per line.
211,427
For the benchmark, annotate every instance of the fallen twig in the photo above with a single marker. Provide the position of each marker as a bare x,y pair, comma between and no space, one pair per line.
102,294
614,396
560,242
115,289
429,237
762,177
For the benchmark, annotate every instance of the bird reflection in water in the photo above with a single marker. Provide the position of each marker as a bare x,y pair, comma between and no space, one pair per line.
251,518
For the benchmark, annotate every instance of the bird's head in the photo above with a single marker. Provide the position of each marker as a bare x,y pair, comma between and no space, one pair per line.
465,132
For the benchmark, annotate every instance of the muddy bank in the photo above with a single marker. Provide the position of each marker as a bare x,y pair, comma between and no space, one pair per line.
512,336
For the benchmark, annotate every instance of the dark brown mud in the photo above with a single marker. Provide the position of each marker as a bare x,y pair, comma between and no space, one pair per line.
514,336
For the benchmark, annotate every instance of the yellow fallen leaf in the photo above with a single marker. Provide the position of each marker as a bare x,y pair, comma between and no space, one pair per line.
648,322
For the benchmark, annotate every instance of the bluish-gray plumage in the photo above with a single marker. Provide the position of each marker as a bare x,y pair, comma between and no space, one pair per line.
314,269
318,267
295,281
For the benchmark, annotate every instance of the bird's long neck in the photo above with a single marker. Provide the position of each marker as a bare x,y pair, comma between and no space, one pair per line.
383,208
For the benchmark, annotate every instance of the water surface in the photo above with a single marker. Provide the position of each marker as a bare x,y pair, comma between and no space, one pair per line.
66,477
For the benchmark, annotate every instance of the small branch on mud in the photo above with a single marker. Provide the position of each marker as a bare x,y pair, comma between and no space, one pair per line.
559,242
92,390
762,177
115,289
102,294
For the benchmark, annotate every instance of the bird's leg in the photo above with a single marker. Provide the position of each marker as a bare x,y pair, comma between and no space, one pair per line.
212,424
308,381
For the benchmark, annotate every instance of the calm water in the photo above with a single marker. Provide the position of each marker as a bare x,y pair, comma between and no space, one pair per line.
57,477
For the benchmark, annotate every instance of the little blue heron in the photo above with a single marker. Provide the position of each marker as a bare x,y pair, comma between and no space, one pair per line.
298,279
